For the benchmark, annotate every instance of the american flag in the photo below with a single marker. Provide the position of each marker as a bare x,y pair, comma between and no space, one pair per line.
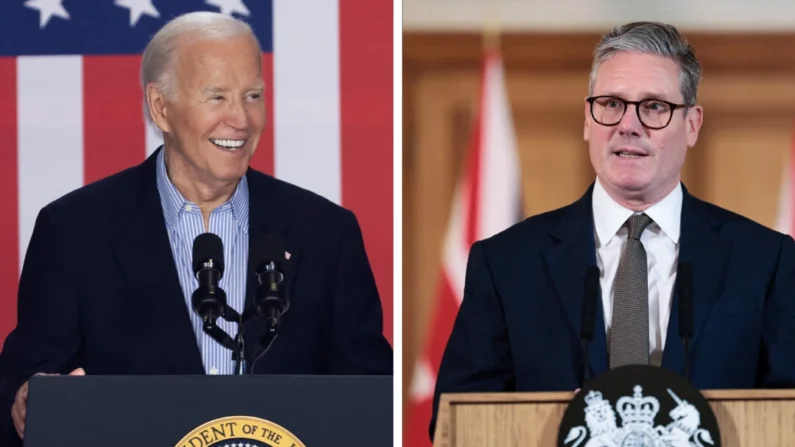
71,107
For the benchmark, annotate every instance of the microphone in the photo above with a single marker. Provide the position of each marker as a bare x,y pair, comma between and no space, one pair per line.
588,315
209,299
685,283
270,299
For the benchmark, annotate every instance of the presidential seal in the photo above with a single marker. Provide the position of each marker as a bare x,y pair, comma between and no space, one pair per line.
639,406
240,431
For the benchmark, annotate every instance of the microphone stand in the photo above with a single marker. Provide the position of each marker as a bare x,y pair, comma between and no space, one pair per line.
687,356
236,346
586,367
274,305
262,351
209,299
272,332
588,317
685,283
239,354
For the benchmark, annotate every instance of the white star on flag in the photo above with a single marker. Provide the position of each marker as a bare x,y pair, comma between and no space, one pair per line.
230,7
138,8
47,9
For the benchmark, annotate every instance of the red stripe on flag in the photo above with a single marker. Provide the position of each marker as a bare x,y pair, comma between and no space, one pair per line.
9,219
263,157
415,432
113,129
418,423
366,132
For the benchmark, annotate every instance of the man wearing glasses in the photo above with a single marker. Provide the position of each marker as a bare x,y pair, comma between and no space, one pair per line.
518,327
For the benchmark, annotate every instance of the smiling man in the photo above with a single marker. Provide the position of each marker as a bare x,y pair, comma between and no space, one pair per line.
518,327
107,281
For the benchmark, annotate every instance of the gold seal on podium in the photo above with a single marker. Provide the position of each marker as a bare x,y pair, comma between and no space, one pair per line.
240,431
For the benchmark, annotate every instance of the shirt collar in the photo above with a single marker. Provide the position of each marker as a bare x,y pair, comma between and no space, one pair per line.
609,216
175,203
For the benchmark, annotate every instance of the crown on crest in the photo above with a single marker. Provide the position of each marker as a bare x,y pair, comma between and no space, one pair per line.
638,409
593,398
596,405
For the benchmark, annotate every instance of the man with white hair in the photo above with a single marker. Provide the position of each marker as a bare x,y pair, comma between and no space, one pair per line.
107,281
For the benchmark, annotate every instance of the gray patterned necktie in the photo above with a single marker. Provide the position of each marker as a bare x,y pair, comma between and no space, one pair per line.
629,329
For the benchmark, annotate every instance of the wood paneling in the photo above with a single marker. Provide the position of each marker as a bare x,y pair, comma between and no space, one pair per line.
747,418
756,52
748,93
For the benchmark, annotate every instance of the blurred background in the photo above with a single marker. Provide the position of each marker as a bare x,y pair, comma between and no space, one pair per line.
741,162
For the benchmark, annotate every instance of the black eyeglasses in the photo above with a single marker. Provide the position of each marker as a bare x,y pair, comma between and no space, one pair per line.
652,113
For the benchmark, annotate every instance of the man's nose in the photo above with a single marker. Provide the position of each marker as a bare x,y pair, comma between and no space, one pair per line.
630,123
237,115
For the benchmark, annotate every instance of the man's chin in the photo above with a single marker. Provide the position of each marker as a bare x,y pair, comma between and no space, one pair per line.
231,175
629,185
633,186
229,172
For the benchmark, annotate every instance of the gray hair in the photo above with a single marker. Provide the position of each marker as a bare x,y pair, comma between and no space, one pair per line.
157,60
652,38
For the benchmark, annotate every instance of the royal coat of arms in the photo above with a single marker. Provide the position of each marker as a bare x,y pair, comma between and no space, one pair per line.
637,429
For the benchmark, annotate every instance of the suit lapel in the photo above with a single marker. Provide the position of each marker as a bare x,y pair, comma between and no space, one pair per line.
266,218
143,251
708,252
567,261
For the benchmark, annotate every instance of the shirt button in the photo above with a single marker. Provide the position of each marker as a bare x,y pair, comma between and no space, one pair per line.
214,371
188,207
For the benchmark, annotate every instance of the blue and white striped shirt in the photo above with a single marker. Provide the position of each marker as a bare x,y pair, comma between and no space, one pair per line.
229,221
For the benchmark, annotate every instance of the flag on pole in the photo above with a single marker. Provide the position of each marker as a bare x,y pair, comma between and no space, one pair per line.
487,200
785,220
71,109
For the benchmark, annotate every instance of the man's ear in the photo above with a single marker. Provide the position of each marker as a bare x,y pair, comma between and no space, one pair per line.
693,120
586,130
157,104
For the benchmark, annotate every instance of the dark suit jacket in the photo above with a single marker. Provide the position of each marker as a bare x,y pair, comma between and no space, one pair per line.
519,323
99,288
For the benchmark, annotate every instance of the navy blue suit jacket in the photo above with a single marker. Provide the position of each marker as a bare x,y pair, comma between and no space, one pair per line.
99,288
518,327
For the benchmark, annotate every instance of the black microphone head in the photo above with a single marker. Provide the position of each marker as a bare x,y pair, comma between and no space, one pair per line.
592,280
270,253
208,247
589,302
684,271
270,249
684,280
270,297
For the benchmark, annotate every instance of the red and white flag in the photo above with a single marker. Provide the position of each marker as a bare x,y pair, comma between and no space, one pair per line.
71,108
487,200
785,220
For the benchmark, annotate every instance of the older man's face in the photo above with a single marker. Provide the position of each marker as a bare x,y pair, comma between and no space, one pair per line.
633,161
219,113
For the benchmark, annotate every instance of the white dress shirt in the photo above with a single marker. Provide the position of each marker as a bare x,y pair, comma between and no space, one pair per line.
661,241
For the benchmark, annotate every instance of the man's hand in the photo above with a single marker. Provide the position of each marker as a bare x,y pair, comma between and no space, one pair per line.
20,407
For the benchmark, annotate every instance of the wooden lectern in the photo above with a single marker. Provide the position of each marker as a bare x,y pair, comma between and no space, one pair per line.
747,418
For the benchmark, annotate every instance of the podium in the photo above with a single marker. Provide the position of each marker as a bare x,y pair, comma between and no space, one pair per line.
209,411
747,418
